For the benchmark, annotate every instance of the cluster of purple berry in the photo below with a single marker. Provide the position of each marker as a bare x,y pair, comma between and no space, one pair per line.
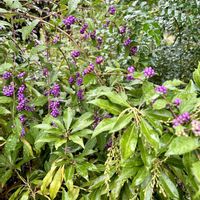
181,119
6,75
9,90
75,54
22,100
122,29
88,69
55,90
22,120
93,35
161,89
112,10
54,107
56,39
127,42
21,75
68,21
177,102
83,29
149,72
133,50
130,70
99,59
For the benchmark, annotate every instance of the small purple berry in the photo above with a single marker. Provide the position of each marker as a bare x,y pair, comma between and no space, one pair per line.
122,29
99,59
21,75
161,89
79,81
71,80
127,42
131,69
8,90
129,77
75,54
6,75
112,10
80,94
177,102
69,21
149,72
133,50
55,91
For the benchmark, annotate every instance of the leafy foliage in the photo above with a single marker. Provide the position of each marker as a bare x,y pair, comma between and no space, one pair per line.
81,114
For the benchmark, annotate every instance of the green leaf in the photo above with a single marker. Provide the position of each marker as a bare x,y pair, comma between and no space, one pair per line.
13,4
168,186
140,177
150,134
122,121
104,125
72,5
181,145
26,31
128,142
116,98
196,76
106,105
68,117
68,177
5,177
5,67
82,122
16,193
159,104
25,195
5,100
76,139
4,111
40,100
56,183
28,152
48,179
196,170
4,23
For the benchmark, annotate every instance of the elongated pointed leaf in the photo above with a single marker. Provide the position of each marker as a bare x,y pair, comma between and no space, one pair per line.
68,117
122,121
56,183
104,125
107,105
128,142
150,134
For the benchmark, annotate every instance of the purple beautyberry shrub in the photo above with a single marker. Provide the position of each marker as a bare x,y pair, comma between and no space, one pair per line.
161,89
133,50
177,102
181,119
6,75
112,10
149,72
9,90
75,54
196,127
54,108
55,91
127,42
99,59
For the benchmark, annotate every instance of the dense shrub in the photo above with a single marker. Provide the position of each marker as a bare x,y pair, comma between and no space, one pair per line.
82,115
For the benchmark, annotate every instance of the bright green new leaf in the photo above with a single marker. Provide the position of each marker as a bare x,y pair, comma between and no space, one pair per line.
68,117
159,104
196,170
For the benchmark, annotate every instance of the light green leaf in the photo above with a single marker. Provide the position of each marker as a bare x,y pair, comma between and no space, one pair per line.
181,145
106,105
116,98
4,111
26,31
128,142
68,117
13,4
140,177
56,183
150,134
159,104
196,170
5,99
104,125
72,5
196,76
4,23
5,67
25,195
169,187
76,139
122,122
